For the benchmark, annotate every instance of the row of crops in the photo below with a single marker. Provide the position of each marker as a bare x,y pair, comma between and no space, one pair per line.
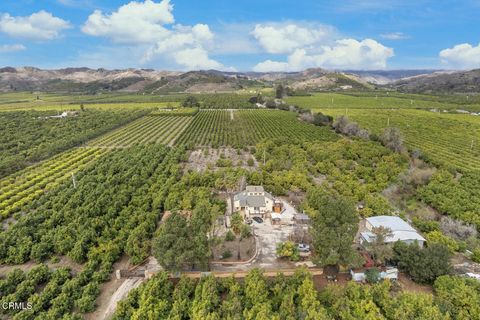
150,129
24,186
247,127
449,140
112,212
28,184
375,101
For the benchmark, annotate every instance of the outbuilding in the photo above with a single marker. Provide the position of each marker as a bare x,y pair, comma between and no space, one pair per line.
401,230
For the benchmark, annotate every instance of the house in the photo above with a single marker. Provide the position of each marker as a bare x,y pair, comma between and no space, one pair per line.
401,230
254,201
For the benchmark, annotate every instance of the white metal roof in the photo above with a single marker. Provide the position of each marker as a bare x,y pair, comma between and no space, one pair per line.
391,222
396,236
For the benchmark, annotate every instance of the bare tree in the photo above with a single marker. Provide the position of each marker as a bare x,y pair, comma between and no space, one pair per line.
340,124
392,138
457,229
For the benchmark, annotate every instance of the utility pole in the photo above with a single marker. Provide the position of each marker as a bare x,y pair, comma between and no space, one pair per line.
471,146
74,181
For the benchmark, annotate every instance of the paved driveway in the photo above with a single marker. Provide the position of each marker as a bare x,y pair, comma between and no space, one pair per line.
267,237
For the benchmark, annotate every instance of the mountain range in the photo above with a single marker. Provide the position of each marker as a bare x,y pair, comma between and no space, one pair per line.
86,80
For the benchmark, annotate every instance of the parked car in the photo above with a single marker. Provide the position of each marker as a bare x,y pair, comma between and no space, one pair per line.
302,247
257,219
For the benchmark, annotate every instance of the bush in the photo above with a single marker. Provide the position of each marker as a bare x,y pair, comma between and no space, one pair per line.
372,275
229,236
245,231
289,250
424,265
476,255
190,102
237,222
438,237
426,225
226,254
250,162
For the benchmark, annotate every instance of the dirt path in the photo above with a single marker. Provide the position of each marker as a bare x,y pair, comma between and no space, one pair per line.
231,115
121,292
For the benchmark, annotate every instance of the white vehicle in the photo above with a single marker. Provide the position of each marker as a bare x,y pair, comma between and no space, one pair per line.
303,247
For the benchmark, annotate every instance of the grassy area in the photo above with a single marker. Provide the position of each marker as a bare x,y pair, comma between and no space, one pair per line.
375,101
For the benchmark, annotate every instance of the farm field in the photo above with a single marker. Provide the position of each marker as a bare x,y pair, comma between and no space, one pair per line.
112,211
148,129
27,137
22,187
49,101
371,101
449,140
97,106
248,127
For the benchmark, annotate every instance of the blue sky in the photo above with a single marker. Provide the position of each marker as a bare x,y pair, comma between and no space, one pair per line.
262,35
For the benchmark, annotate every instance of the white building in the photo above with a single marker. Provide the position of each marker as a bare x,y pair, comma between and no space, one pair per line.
253,201
401,230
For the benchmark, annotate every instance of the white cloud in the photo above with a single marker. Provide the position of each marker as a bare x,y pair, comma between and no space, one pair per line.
196,58
314,45
278,38
41,25
11,48
140,22
463,56
151,24
394,36
342,54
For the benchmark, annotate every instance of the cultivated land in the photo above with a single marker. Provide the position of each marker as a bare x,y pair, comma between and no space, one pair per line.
23,187
449,140
382,100
156,129
240,128
130,170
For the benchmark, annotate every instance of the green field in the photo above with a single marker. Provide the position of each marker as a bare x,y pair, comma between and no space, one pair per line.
157,129
23,187
450,140
376,101
248,127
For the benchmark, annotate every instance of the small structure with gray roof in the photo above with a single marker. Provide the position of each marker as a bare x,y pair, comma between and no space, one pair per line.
253,201
401,230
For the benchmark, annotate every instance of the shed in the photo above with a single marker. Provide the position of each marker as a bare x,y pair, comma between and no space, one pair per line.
301,218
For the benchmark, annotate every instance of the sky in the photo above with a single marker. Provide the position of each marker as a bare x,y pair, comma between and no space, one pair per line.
241,35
